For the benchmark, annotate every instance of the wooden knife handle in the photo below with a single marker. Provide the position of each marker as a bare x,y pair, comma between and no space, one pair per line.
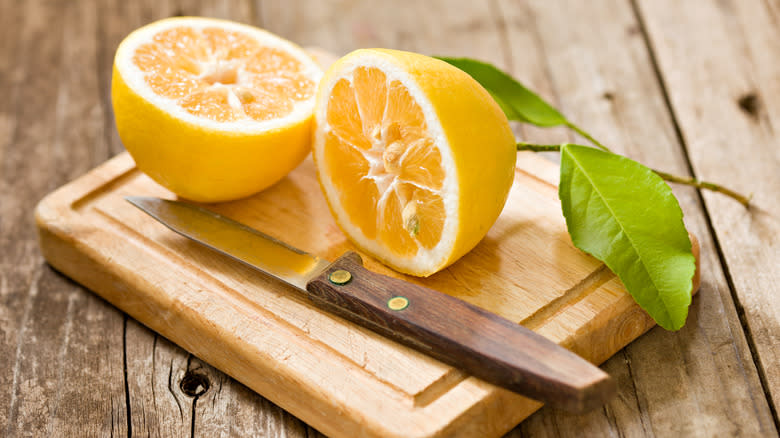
465,336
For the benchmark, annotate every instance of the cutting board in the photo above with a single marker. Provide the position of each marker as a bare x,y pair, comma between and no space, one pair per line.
340,378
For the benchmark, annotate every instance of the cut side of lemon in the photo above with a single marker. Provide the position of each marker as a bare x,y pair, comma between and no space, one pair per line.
414,157
211,109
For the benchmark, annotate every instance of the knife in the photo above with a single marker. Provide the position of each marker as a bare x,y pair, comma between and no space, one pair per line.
453,331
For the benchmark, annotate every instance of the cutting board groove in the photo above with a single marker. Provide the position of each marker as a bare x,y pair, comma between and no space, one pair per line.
342,379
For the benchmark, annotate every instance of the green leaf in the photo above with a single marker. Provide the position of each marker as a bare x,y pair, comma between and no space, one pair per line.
518,102
625,215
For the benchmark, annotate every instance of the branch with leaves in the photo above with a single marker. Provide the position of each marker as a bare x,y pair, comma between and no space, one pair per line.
688,181
619,211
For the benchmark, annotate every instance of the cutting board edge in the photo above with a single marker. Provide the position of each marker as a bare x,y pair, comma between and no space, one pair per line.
57,221
63,240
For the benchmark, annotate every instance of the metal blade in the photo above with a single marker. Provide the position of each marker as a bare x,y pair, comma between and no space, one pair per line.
234,239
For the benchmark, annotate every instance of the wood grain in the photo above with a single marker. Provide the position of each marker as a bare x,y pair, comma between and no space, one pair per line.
612,89
53,335
709,362
723,84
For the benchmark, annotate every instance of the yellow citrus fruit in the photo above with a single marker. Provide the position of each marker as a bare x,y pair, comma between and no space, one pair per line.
211,109
414,157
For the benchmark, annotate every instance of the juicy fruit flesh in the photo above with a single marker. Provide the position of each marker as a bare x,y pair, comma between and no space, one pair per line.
383,162
222,75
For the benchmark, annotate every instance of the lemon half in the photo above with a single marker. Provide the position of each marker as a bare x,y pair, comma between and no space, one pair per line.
211,109
414,157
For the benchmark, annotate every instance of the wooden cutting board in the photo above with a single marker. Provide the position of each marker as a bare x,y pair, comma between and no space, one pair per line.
340,378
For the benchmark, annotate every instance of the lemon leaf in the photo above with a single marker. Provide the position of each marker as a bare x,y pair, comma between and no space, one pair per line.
625,215
518,102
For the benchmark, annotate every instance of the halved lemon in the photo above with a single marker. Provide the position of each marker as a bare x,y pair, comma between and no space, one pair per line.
414,157
211,109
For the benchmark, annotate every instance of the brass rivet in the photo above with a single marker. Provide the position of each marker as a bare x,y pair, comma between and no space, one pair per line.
340,276
398,303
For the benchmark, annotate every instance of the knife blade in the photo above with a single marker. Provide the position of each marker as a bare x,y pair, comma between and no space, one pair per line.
451,330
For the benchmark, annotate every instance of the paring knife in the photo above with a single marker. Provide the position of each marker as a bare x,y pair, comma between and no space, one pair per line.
460,334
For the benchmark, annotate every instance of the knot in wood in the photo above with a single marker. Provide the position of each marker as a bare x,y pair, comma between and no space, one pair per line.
194,384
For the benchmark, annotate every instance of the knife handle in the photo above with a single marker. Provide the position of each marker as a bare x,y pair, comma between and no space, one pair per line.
465,336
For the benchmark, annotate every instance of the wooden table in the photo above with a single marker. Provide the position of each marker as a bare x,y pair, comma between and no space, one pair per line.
690,87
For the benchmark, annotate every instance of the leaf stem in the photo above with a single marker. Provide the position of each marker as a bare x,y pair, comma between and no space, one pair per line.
742,199
523,146
589,137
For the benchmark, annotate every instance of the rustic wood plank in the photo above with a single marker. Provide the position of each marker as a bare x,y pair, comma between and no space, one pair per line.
28,291
117,19
459,28
723,83
57,336
529,66
158,406
603,79
229,408
243,11
15,271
